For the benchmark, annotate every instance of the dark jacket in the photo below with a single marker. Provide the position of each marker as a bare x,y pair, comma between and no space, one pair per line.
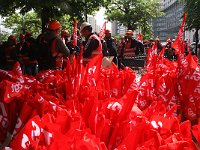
93,44
60,46
111,46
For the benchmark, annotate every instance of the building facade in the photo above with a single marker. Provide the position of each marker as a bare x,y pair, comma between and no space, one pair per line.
117,29
168,25
93,21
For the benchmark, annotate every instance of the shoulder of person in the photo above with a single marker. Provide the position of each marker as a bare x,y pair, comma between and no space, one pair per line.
93,36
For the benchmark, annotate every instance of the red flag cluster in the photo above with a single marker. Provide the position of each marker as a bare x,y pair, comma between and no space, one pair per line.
102,108
95,108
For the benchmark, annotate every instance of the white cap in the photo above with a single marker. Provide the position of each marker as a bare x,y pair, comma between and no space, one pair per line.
83,25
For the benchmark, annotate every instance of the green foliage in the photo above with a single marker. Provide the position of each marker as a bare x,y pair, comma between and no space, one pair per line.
3,37
81,8
66,22
134,13
192,8
51,9
32,23
19,23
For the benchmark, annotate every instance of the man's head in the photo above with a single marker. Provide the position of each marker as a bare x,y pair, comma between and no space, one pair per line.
151,40
86,29
12,39
107,33
54,26
129,33
21,38
157,40
27,35
65,34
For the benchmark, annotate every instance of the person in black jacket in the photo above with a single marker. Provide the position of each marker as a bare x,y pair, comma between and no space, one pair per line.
111,46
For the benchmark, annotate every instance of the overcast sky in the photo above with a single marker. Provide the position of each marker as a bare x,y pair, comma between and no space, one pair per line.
100,16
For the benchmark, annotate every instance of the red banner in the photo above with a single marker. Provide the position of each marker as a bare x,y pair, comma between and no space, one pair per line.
102,31
179,42
75,33
140,37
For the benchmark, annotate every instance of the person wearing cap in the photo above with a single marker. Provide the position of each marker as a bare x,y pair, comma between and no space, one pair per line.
10,51
132,47
159,45
52,48
92,44
21,42
151,42
28,35
65,36
111,46
169,51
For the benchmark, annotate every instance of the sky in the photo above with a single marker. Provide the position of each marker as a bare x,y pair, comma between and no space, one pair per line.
100,16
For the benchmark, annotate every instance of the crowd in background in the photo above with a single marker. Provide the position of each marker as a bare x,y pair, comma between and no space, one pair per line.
30,52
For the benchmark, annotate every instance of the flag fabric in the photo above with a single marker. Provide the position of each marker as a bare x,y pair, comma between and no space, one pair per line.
75,33
102,31
102,108
178,44
139,37
152,56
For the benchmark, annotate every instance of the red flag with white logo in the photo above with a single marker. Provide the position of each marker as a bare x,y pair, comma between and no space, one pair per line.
75,33
102,31
140,37
178,44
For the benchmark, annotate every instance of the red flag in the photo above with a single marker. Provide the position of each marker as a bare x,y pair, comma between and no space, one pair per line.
196,132
93,70
178,44
11,90
23,117
17,69
152,56
80,73
161,55
75,33
140,37
102,31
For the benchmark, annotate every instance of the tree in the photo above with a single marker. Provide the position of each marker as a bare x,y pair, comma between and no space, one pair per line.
21,23
81,8
133,13
45,9
49,9
32,23
192,9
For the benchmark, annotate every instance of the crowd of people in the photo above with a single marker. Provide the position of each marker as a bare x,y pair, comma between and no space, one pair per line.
51,49
107,109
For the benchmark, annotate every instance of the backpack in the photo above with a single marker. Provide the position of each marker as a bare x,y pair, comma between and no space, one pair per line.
46,60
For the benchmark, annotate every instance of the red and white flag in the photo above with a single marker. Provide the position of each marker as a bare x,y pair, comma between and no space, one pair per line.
75,33
178,44
140,37
102,31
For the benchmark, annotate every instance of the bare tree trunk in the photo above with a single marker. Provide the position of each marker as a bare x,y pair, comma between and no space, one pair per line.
45,17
